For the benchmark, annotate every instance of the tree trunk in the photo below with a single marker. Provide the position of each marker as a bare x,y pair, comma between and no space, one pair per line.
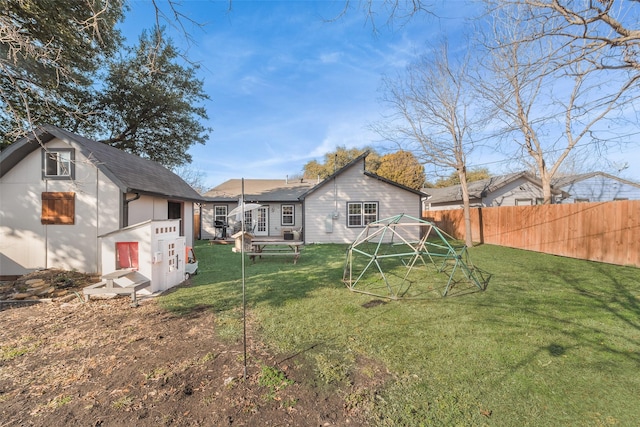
545,177
462,173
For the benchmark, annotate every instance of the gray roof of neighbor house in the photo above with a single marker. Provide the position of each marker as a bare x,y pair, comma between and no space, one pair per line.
563,181
259,190
479,189
352,163
132,174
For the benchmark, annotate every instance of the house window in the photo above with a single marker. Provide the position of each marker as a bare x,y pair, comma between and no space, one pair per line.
539,201
219,214
360,214
523,202
58,208
288,217
58,164
581,200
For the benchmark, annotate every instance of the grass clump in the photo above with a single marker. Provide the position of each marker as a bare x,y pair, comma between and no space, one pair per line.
124,403
274,380
333,367
11,352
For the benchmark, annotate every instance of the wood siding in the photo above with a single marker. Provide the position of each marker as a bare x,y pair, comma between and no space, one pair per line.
605,232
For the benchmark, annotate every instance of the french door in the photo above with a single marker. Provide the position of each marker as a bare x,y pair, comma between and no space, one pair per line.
261,221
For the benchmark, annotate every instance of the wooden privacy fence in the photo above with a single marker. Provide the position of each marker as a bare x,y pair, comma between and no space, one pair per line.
606,232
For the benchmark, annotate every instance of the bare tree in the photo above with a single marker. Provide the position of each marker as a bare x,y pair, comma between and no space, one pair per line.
433,115
550,97
193,176
609,27
390,11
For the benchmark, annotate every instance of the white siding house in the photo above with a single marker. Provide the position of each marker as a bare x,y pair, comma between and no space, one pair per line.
335,210
340,207
59,192
281,208
596,187
518,189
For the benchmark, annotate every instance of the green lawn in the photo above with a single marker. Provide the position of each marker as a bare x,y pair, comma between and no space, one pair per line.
551,341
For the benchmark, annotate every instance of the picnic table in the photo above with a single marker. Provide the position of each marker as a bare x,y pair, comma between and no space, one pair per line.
260,248
268,247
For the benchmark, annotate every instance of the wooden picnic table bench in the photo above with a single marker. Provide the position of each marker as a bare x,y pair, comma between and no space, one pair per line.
260,248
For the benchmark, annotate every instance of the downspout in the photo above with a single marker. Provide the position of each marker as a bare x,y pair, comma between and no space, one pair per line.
98,259
125,210
335,186
46,233
304,218
200,208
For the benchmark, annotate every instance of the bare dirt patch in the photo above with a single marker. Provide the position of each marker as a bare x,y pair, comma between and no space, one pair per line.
104,363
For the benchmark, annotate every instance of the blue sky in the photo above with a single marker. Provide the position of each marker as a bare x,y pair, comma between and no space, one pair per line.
288,84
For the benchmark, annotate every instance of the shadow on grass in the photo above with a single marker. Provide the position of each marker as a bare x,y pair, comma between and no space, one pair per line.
582,309
273,281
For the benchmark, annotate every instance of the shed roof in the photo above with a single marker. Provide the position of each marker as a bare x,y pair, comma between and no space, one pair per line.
131,173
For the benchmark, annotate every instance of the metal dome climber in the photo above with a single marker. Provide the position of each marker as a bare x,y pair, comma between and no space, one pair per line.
403,257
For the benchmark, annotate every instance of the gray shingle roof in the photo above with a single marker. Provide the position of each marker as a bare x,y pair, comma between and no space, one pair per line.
563,181
478,189
259,190
129,172
280,190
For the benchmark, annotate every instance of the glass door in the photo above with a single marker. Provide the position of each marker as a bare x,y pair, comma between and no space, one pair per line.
262,221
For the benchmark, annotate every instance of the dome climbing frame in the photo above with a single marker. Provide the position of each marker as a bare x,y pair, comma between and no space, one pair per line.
406,257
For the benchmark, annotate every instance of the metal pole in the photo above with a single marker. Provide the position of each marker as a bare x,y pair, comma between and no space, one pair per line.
244,301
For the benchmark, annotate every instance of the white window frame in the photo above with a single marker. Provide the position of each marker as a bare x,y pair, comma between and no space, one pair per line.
220,216
287,219
362,214
58,163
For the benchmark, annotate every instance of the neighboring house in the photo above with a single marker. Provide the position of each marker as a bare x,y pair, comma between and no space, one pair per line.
515,189
335,210
59,192
596,187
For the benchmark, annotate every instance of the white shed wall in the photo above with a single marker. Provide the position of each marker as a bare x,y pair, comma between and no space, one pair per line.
156,208
26,244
